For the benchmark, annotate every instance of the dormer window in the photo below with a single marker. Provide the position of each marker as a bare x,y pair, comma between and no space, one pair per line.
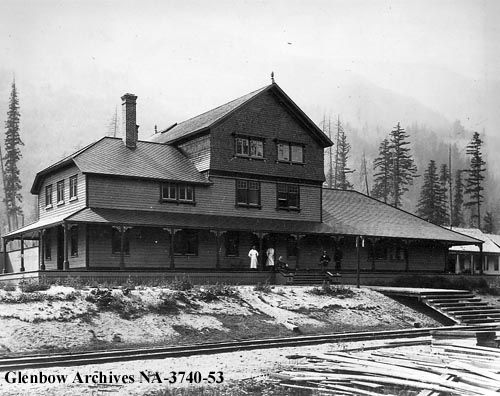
177,192
290,152
249,147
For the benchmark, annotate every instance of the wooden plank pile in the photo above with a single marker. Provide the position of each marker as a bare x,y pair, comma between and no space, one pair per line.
443,368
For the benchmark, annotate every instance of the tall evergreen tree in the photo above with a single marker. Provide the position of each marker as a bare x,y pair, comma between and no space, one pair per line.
341,156
12,156
457,216
444,179
382,166
474,180
404,169
431,205
488,223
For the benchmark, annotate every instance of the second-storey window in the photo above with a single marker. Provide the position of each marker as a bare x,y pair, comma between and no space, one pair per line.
289,152
288,196
175,192
249,147
48,196
60,191
73,187
247,193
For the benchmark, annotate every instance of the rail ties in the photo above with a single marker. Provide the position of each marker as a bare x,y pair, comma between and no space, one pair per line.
103,356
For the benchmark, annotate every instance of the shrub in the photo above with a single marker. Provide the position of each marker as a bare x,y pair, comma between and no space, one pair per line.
182,284
100,297
167,304
263,287
213,292
30,286
328,290
8,286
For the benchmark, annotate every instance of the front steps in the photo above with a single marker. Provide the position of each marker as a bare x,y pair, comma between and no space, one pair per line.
305,277
461,307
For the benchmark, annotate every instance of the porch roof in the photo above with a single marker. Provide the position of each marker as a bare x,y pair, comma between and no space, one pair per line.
183,220
489,244
38,225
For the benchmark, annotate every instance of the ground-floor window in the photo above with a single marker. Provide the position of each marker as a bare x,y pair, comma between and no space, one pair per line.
116,241
186,242
73,233
232,243
291,246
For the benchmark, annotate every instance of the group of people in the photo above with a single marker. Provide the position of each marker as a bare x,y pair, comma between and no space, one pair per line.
324,260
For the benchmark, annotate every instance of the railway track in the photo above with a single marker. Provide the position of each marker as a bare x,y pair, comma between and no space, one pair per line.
108,356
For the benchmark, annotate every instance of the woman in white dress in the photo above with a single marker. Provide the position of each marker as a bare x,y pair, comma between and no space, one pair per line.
253,254
270,258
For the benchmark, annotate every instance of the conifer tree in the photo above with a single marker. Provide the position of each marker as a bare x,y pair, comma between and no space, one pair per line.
13,140
404,169
457,216
474,179
431,203
444,178
341,156
382,166
488,223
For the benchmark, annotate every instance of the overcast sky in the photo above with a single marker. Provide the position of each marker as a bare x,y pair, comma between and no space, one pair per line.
184,57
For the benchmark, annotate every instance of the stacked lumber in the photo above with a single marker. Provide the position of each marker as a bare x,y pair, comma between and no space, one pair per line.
440,369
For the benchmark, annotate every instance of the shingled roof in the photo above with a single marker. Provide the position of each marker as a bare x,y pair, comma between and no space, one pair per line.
208,119
110,156
353,213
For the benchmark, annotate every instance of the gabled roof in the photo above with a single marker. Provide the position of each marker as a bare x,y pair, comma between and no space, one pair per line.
353,213
489,243
110,156
210,118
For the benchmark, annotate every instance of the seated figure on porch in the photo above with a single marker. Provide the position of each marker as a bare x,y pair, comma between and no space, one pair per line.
281,264
324,260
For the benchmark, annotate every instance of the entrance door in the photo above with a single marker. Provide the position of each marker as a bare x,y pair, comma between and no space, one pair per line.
60,248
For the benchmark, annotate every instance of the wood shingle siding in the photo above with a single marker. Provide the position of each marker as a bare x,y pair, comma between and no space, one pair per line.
264,117
218,198
198,151
69,206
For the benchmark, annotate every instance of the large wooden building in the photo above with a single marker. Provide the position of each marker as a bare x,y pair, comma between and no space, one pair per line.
197,196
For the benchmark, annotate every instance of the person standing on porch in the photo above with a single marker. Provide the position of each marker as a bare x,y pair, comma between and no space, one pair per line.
253,254
270,258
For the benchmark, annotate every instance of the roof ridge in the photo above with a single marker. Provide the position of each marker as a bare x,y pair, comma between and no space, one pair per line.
215,108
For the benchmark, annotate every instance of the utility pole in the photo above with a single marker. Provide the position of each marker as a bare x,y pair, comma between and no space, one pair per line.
365,173
337,152
330,181
450,183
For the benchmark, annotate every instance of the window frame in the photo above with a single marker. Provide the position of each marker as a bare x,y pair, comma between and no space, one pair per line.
232,236
249,140
169,186
289,145
287,187
73,187
58,189
49,203
186,233
247,190
116,239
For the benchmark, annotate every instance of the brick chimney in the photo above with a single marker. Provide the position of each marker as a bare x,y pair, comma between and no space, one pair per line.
129,120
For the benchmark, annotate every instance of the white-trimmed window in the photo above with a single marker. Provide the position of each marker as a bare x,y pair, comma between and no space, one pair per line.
60,192
177,192
73,187
249,147
248,193
48,196
290,152
288,196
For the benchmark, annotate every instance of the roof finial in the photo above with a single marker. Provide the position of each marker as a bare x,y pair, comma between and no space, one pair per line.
156,129
272,77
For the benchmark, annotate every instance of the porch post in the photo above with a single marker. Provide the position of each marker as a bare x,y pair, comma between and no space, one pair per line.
5,255
457,264
297,257
66,243
22,269
217,246
261,255
472,264
41,244
172,262
372,248
358,242
481,259
122,247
